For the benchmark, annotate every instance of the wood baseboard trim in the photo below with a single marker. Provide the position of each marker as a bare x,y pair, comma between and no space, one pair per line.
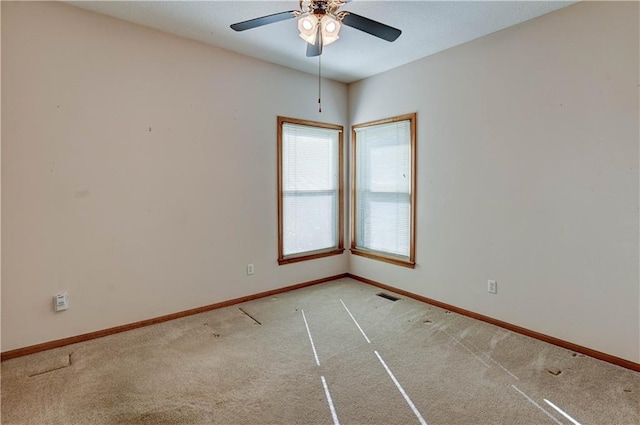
514,328
7,355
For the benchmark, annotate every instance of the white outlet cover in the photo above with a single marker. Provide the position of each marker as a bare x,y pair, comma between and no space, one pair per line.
492,286
60,302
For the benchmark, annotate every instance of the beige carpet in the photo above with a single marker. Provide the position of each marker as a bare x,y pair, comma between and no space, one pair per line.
422,365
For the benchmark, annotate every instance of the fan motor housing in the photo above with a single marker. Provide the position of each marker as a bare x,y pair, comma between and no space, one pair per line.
319,7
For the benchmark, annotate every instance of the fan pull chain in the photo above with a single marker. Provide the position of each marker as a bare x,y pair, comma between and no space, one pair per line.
319,83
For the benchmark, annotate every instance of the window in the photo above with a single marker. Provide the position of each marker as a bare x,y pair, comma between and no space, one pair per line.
309,190
384,176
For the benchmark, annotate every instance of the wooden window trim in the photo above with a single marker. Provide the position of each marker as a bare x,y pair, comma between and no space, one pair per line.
311,255
377,255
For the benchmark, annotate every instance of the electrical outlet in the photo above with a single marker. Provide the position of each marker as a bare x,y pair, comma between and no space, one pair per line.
492,286
249,269
60,302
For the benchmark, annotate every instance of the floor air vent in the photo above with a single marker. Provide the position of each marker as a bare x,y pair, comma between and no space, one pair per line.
387,296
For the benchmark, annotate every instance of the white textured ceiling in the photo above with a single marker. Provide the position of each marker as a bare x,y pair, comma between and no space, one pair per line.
427,28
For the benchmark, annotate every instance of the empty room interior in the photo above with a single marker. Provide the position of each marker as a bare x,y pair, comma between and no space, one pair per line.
320,212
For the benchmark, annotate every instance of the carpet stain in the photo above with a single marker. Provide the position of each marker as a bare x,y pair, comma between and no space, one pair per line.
554,371
427,322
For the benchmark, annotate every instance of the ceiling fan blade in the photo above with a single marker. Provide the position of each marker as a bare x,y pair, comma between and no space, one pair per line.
316,48
264,20
312,50
370,26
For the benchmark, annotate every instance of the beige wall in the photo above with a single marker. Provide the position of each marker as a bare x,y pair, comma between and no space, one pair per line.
528,174
138,173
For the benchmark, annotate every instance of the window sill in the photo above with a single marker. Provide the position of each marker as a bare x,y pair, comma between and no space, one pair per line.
398,261
313,256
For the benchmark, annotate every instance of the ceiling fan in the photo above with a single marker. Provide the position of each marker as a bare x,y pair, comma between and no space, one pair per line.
319,23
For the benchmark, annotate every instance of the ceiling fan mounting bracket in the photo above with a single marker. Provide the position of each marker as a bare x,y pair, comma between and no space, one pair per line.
321,7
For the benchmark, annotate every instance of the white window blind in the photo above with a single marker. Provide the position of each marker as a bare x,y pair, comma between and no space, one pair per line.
310,183
383,188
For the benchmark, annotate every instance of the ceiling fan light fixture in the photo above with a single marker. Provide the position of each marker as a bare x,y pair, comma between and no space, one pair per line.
329,26
330,29
307,27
